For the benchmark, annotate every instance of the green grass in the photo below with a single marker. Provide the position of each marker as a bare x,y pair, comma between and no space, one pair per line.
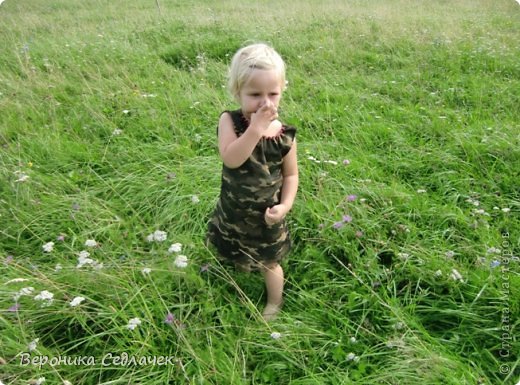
420,97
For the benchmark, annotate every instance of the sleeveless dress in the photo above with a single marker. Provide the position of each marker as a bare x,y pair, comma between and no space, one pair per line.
237,227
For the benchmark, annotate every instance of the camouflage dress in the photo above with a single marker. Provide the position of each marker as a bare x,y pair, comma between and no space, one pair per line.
237,227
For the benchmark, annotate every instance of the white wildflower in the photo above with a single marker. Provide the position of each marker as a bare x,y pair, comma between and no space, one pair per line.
353,340
438,273
84,259
181,261
22,177
39,381
23,291
403,256
117,132
32,345
158,236
195,199
126,111
449,254
456,275
48,247
175,248
421,191
97,265
84,254
76,301
146,270
493,250
83,262
398,326
46,296
90,243
58,267
133,323
276,335
506,209
66,382
474,202
351,357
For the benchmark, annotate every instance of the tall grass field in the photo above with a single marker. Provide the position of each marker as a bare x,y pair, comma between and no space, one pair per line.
405,260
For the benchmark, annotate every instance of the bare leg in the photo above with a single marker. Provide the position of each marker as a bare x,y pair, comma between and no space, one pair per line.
274,280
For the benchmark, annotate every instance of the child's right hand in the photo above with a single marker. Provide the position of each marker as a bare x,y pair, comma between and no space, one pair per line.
262,118
275,214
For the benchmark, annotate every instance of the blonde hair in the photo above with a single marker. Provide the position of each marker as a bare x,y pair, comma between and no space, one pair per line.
247,59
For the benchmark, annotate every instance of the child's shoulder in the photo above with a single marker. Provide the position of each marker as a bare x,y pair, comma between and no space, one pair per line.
236,118
236,115
232,112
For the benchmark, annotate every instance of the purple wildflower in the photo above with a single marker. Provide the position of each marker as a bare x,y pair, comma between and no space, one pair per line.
14,308
170,318
347,218
338,225
346,162
495,263
359,234
351,198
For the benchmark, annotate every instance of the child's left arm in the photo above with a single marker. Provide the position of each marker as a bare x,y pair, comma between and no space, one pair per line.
289,187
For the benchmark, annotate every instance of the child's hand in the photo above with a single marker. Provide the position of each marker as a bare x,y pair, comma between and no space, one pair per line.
275,214
262,118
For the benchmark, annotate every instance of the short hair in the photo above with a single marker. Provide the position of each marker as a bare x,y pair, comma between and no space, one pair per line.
247,59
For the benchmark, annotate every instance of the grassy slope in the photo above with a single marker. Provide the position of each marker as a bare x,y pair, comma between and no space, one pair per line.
416,95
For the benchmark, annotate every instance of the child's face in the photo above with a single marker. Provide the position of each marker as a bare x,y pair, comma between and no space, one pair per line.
263,85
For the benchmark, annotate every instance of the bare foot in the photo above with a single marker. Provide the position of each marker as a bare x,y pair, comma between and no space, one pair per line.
271,311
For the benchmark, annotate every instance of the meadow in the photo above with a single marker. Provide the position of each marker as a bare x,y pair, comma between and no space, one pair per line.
404,268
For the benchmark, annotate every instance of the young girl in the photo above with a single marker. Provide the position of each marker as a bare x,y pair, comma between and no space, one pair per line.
259,174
